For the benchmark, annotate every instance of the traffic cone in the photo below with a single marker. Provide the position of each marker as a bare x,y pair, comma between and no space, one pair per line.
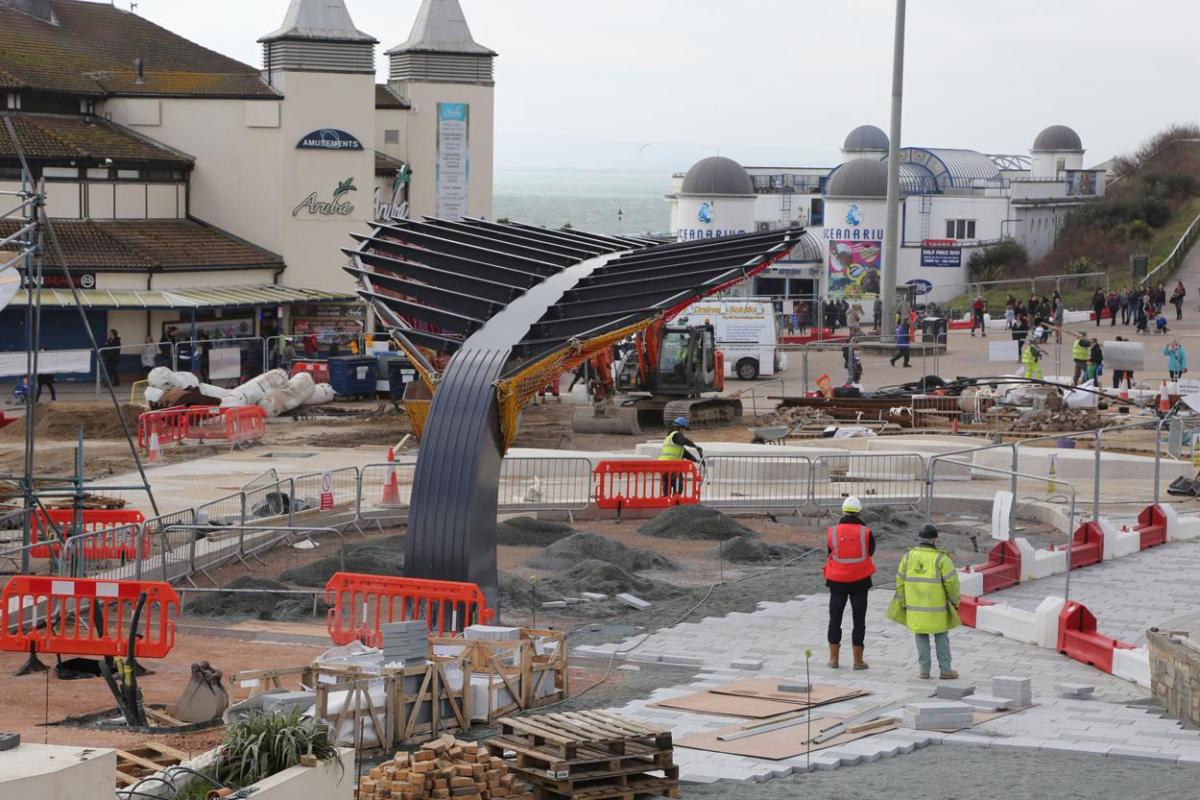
391,486
1051,486
1164,401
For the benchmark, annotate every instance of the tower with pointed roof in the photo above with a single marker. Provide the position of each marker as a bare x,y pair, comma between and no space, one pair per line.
447,77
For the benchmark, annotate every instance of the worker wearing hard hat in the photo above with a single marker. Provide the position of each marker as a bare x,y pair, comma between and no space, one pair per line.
1032,361
675,448
848,571
927,597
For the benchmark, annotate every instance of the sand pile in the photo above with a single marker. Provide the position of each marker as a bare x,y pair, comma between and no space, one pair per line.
566,553
694,522
891,522
278,607
530,532
605,578
377,557
743,550
62,420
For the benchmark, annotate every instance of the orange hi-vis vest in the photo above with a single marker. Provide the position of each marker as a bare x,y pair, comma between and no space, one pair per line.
849,558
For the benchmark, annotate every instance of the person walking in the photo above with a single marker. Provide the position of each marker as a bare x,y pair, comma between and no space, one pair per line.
1032,361
1058,312
978,308
854,320
45,380
927,598
848,570
112,356
674,448
1177,299
1095,362
1176,359
149,356
1098,302
1114,304
901,342
1079,354
1020,331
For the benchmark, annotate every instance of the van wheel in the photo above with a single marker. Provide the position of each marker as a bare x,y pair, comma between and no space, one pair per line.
747,369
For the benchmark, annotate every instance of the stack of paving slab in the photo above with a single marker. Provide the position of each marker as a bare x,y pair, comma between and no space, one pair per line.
938,715
1018,690
405,642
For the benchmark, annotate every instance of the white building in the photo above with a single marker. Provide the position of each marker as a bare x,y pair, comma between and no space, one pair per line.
954,201
193,190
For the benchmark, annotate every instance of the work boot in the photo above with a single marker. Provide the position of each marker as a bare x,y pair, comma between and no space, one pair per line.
834,650
858,658
949,675
923,675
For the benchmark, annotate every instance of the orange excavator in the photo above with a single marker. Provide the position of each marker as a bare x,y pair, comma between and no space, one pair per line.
664,372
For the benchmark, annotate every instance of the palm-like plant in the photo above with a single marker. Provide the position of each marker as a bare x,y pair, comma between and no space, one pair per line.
263,744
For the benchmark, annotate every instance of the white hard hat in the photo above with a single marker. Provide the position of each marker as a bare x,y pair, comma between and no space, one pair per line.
851,505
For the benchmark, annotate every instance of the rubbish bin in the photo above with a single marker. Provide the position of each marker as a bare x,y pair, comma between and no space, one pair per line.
400,372
933,330
353,376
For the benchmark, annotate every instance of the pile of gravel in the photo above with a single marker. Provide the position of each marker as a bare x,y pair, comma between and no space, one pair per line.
530,532
609,579
694,522
890,522
520,594
566,553
743,550
276,607
378,557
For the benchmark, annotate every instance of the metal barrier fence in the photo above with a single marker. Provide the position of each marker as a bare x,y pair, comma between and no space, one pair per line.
545,484
875,479
773,482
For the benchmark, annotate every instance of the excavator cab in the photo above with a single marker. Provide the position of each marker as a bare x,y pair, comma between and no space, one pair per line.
687,361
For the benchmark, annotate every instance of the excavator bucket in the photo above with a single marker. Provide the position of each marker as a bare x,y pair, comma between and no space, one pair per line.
204,698
606,418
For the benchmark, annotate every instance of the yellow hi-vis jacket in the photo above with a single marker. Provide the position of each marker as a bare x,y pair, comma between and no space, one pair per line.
1080,351
1033,367
928,584
670,450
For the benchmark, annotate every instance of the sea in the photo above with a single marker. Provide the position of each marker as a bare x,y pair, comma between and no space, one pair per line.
605,202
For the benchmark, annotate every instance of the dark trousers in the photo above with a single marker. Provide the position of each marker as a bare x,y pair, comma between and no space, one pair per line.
858,615
901,352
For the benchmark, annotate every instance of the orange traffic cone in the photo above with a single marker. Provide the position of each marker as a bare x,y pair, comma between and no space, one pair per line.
1164,401
154,453
391,486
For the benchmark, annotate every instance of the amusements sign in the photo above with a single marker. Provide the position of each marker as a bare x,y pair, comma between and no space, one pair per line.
940,253
854,268
453,161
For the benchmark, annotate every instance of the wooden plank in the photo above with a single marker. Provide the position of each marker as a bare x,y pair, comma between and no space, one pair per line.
776,745
163,718
526,726
125,779
166,750
145,763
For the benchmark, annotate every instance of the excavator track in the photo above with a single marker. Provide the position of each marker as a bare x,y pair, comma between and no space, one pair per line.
703,412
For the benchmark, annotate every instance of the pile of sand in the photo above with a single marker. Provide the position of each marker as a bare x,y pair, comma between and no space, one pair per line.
530,532
605,578
889,522
694,522
377,557
742,550
61,421
277,607
566,553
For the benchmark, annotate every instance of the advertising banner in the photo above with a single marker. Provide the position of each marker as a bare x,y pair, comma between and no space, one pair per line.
854,268
50,362
940,253
453,170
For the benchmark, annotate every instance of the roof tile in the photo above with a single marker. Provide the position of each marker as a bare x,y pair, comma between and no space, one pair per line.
58,137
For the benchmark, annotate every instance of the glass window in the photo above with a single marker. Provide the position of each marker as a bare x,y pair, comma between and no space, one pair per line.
60,172
674,351
950,229
970,234
98,173
391,137
129,174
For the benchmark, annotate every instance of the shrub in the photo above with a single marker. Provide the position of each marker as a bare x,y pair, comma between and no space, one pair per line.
991,263
262,745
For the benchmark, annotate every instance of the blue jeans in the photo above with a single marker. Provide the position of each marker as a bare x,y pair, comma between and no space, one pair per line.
942,642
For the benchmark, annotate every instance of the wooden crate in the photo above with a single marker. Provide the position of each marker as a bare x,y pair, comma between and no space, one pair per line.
588,755
149,758
262,680
517,666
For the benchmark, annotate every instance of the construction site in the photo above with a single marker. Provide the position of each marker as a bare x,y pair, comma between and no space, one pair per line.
529,522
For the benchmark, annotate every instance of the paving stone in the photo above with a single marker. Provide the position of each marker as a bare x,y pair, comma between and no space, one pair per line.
972,739
1019,742
985,702
1142,755
1075,689
1089,748
747,664
954,691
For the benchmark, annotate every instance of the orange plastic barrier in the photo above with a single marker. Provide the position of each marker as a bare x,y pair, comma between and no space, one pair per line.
231,425
1152,527
1087,548
112,543
318,369
645,484
360,604
1079,639
169,423
86,617
1003,568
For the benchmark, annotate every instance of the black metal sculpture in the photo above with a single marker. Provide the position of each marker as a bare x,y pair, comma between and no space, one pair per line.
490,313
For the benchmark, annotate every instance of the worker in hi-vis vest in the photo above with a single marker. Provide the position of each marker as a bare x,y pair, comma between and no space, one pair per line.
674,448
927,597
848,571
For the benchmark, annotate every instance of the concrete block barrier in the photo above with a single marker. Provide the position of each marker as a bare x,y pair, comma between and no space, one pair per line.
1011,623
1180,529
1045,622
1048,562
1132,665
970,583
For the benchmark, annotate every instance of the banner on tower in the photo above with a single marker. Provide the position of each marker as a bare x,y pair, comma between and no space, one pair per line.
453,159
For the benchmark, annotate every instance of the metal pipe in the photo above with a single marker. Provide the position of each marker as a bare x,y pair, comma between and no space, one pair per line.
1096,478
892,233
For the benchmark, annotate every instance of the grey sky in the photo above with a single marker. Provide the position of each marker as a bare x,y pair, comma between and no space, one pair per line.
585,84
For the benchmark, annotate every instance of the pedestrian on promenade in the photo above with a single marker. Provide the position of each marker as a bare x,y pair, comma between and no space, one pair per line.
854,320
978,309
1020,331
1176,359
1079,354
112,356
901,342
1058,312
1095,362
149,356
1098,302
848,570
1177,299
926,602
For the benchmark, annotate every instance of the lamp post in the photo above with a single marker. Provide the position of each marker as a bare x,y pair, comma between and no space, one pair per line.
892,234
620,216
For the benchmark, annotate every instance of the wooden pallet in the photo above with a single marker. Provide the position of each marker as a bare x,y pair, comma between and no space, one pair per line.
146,759
588,755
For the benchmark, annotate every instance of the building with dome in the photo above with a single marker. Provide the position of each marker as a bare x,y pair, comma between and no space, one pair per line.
953,201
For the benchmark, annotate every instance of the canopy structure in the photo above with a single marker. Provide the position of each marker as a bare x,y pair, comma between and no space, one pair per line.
210,297
492,312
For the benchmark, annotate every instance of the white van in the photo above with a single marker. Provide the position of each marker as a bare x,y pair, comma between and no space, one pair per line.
746,334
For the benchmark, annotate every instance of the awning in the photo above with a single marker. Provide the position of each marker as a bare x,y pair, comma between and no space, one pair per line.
212,297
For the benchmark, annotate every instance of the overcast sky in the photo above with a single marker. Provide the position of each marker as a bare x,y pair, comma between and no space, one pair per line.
652,85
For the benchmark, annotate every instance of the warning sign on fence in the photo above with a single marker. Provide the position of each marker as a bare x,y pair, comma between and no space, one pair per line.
326,491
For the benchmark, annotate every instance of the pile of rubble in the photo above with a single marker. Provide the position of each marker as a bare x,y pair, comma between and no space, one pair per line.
445,767
1044,420
794,415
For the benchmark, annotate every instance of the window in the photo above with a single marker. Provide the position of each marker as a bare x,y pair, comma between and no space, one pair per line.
960,229
60,172
98,173
391,137
129,174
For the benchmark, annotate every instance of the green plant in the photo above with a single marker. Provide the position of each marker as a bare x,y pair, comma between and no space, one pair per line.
262,745
1083,265
991,263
